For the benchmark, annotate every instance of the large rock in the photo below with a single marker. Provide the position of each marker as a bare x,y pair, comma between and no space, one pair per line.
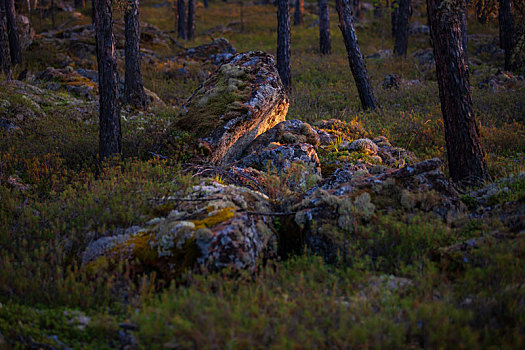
26,33
241,100
287,132
329,216
216,227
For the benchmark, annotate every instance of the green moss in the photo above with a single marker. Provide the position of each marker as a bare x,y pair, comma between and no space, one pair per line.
219,101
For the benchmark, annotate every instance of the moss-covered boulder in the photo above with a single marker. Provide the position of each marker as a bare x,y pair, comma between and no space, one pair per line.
215,227
330,217
241,100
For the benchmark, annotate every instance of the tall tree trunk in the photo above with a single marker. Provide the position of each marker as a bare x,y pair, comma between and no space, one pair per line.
283,43
401,35
506,32
5,65
110,131
12,33
325,43
394,13
355,58
206,4
191,20
357,9
133,87
299,11
465,155
181,20
378,9
464,37
79,4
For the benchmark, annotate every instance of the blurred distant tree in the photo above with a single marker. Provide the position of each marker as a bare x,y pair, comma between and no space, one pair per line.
206,4
191,20
357,9
325,43
401,35
12,32
465,156
181,20
355,58
80,4
511,18
4,50
299,12
283,42
506,32
133,88
110,133
394,11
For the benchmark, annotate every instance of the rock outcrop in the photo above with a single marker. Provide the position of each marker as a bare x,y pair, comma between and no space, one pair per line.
215,227
241,100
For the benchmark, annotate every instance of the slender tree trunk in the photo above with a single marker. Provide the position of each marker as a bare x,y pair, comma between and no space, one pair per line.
401,34
79,4
12,32
283,43
5,65
110,131
394,13
378,9
465,155
181,20
133,87
206,4
299,11
506,32
191,20
355,58
325,43
357,9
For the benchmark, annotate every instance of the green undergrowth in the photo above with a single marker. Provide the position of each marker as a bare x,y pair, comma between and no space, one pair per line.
401,288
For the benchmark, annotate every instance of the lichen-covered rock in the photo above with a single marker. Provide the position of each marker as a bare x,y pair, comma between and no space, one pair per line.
69,80
216,227
500,81
286,132
26,33
363,145
218,51
329,216
333,130
286,158
241,100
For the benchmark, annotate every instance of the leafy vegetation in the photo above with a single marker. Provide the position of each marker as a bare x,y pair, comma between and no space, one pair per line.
405,285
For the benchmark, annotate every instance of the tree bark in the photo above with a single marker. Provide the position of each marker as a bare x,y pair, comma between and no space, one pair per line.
109,118
12,32
394,14
191,19
355,58
5,65
299,11
464,37
506,32
465,155
325,43
79,3
181,20
206,4
133,88
283,43
401,34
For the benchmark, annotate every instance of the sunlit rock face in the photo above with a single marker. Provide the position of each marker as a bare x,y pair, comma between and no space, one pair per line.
241,100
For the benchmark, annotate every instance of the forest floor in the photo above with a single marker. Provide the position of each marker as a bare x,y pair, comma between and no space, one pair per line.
415,281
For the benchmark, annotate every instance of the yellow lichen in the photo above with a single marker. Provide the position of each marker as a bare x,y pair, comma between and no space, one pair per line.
215,218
